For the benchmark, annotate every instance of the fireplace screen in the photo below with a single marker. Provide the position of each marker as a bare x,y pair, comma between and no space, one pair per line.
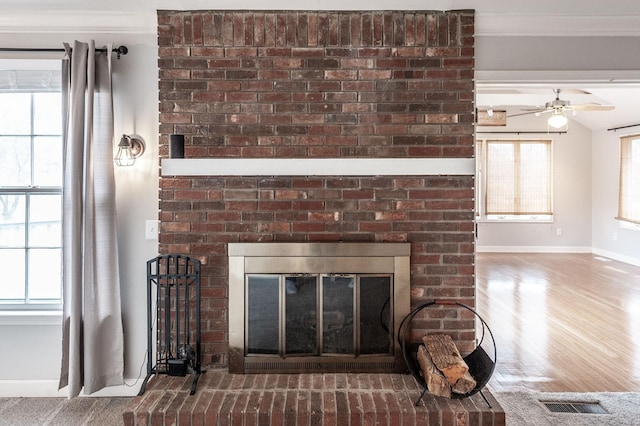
316,306
294,315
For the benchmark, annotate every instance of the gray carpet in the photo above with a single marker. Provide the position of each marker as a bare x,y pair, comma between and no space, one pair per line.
62,411
524,408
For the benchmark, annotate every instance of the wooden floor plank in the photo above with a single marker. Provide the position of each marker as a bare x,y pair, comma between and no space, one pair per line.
562,322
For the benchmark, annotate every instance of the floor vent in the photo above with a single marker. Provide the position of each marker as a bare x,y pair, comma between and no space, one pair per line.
574,407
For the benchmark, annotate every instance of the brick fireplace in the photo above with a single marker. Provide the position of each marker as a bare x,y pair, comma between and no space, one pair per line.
318,128
322,86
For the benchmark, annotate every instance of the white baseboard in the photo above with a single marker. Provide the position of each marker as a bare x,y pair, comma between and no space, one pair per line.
616,256
531,249
49,389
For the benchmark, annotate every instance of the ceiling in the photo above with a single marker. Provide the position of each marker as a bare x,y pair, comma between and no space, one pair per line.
516,97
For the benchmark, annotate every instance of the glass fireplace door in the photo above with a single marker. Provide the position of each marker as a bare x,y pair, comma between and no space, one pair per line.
329,314
338,314
301,315
263,316
375,315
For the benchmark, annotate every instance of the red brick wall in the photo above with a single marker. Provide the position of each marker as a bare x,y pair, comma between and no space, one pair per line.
321,84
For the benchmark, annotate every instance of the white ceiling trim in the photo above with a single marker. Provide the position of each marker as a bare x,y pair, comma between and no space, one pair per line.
531,24
78,22
593,77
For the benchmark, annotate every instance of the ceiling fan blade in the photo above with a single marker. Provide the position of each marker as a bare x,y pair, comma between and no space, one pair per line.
535,111
592,107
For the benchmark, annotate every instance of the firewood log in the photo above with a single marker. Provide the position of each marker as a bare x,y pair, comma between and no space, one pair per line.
445,356
465,384
437,384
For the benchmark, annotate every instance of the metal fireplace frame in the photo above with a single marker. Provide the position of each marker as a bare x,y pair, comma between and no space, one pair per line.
315,258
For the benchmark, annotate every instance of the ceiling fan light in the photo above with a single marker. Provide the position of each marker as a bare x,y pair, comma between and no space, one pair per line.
557,120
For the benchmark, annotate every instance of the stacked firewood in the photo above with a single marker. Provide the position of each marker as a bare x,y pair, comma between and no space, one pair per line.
443,368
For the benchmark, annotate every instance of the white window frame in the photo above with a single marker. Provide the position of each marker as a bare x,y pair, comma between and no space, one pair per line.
481,215
9,309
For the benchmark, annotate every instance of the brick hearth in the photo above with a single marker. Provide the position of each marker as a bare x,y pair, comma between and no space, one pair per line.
304,399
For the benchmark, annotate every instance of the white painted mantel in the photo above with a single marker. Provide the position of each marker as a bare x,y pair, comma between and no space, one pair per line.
317,166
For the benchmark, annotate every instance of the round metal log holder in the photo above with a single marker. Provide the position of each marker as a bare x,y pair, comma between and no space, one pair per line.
481,365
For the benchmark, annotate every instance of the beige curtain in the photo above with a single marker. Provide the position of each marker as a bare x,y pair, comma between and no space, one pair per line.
92,337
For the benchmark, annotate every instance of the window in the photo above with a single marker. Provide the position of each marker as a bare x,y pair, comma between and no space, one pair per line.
629,196
30,188
515,180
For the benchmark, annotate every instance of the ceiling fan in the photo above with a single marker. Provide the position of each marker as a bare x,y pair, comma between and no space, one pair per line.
558,107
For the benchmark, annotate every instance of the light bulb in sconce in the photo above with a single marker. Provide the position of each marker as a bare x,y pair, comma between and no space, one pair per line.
557,120
129,149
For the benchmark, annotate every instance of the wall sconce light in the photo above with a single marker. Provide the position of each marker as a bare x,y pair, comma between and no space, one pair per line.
129,149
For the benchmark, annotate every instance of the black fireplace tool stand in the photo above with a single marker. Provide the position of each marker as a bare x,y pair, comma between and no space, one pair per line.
173,282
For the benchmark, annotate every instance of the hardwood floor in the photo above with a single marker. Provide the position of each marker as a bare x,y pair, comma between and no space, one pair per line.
562,322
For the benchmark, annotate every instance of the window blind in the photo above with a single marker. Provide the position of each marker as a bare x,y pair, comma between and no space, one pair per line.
518,177
629,195
17,80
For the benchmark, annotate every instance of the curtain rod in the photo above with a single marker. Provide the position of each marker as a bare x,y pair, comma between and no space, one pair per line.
622,127
120,50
